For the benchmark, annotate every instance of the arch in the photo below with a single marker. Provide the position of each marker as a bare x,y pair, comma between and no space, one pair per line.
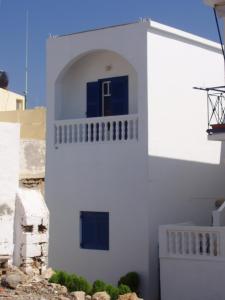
70,85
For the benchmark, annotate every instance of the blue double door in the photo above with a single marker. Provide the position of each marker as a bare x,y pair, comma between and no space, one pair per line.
107,97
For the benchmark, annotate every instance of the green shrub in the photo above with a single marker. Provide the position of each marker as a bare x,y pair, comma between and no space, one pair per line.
98,286
59,277
54,278
132,280
71,283
112,291
83,285
124,289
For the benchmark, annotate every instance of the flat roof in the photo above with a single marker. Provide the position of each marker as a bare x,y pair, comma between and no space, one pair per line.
154,26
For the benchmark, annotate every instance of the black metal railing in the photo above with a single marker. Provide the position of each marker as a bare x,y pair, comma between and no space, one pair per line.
215,109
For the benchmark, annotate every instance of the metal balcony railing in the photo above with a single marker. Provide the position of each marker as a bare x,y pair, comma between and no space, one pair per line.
215,109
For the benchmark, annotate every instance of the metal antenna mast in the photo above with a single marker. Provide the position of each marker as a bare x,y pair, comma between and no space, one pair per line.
26,58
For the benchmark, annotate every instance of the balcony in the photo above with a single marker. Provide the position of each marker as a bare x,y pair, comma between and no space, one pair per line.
113,129
192,242
216,113
195,256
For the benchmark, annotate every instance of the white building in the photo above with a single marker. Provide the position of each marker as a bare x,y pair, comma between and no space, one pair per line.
24,215
195,255
126,146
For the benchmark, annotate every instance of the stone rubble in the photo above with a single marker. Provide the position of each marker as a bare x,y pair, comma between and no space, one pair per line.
16,285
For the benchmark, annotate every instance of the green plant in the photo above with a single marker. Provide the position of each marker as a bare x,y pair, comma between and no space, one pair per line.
83,285
132,280
124,289
59,277
98,286
112,291
71,283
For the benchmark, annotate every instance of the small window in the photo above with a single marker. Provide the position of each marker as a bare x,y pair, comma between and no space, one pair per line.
19,104
94,230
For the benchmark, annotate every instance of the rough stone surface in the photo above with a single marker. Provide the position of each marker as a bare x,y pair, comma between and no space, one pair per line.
101,296
129,296
78,295
14,284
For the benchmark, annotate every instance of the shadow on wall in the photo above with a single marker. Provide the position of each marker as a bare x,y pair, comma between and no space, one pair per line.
181,191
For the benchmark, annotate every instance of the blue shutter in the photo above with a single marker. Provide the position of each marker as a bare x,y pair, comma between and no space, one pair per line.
93,100
119,95
95,230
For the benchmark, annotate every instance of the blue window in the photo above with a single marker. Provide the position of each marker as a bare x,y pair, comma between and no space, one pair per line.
94,230
107,97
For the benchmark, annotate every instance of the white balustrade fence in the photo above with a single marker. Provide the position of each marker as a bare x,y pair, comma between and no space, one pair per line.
96,130
189,241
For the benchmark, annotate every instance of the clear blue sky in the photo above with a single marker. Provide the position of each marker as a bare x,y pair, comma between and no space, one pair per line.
66,16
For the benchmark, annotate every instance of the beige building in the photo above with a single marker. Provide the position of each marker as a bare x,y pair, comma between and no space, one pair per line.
10,101
32,144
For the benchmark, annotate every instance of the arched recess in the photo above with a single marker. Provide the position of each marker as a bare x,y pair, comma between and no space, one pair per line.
71,84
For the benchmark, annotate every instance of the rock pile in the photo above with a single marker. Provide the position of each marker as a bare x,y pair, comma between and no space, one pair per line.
16,285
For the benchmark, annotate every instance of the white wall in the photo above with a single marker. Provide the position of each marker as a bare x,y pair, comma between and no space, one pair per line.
171,175
192,279
92,67
186,175
99,177
9,177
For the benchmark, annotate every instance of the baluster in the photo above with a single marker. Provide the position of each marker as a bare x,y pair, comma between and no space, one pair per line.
135,129
170,242
183,243
211,244
189,242
117,130
176,243
197,245
100,132
204,243
56,135
123,130
128,130
75,138
88,132
94,132
63,134
66,133
79,127
111,131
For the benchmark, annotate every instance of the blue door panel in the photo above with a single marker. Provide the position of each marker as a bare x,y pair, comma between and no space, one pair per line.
93,100
119,98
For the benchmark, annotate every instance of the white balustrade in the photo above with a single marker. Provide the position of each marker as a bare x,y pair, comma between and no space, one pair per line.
97,130
191,241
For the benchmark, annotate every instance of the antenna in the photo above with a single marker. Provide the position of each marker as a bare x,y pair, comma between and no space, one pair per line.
26,58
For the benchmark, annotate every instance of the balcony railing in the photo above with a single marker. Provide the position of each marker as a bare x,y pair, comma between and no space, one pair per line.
215,109
97,130
192,241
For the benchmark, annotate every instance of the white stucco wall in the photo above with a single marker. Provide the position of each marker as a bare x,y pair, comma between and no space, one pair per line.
172,174
192,279
72,99
102,177
9,176
186,171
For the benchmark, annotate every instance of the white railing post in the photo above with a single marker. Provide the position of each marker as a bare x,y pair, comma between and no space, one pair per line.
94,130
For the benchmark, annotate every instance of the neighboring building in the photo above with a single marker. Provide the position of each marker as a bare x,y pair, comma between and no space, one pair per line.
11,101
32,144
125,149
24,215
192,258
